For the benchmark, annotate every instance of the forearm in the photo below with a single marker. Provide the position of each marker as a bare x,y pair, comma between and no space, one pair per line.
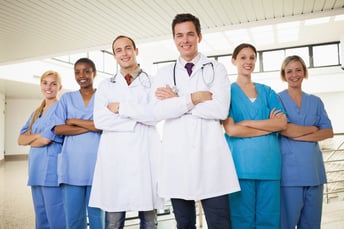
270,125
26,139
68,130
316,136
41,141
86,124
294,131
235,130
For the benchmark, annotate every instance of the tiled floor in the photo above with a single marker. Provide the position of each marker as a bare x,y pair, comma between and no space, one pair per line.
16,211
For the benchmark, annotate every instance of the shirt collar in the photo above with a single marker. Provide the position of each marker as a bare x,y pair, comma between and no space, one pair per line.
194,60
134,74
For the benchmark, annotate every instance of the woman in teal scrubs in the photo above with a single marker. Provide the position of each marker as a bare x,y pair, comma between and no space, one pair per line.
303,170
255,117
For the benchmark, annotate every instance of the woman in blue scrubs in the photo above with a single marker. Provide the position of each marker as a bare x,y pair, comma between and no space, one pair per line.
255,117
74,121
303,170
45,148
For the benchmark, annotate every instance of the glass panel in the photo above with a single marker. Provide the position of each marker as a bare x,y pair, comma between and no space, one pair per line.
109,63
301,52
97,58
325,55
272,60
227,62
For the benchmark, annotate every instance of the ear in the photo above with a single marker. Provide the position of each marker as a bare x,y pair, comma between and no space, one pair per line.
199,37
137,51
233,61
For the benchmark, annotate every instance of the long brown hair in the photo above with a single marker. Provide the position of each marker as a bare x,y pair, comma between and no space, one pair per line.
39,111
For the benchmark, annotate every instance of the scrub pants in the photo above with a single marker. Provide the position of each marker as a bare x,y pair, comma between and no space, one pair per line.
115,220
76,200
48,205
301,206
257,205
216,211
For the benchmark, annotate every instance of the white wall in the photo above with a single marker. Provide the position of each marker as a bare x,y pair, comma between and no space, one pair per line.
17,112
2,125
334,105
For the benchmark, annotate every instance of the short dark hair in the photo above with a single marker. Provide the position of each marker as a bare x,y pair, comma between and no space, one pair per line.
242,46
122,36
180,18
88,62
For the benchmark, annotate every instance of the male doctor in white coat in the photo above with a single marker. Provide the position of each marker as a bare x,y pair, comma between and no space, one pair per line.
196,161
125,177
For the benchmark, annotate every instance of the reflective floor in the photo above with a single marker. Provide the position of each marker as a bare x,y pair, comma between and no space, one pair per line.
16,211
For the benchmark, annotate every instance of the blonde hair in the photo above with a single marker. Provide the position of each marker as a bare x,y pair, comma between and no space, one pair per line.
38,112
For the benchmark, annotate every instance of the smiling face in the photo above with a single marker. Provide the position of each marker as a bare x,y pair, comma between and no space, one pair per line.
294,74
50,86
245,61
84,75
125,54
186,40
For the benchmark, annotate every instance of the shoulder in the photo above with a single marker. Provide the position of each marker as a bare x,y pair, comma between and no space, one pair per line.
311,97
264,87
104,82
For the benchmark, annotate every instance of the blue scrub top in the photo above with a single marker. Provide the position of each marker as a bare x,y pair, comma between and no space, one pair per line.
302,162
79,152
43,160
255,157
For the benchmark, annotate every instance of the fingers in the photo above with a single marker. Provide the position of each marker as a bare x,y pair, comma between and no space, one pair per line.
274,113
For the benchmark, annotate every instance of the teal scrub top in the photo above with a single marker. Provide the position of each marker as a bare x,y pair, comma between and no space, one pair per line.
255,157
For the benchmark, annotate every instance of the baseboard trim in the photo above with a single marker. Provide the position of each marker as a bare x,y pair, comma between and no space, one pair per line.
16,157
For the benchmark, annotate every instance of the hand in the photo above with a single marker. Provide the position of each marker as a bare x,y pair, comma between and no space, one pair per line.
113,107
201,96
274,113
165,93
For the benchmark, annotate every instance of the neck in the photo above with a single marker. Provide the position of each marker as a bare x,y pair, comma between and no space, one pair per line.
88,90
129,70
49,102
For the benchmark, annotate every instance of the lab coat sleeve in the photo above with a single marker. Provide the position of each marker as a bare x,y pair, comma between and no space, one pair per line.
106,120
140,112
172,107
218,107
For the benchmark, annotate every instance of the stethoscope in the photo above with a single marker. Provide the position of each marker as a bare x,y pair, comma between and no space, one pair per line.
207,83
143,78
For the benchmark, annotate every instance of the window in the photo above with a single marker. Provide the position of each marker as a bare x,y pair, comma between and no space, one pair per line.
272,60
325,55
227,62
302,52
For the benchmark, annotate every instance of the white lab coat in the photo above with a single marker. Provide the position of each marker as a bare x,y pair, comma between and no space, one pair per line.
196,161
125,177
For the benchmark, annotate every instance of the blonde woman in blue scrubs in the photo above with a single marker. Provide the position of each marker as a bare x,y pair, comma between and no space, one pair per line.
255,117
45,147
303,170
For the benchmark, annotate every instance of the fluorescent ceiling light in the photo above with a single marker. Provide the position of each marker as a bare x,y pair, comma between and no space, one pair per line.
339,17
317,21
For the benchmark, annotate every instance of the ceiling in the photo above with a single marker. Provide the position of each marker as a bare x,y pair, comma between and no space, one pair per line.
35,30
